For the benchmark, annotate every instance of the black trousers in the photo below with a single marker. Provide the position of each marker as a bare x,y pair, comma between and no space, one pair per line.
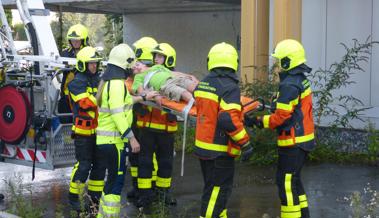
133,157
113,159
288,179
87,164
218,175
162,144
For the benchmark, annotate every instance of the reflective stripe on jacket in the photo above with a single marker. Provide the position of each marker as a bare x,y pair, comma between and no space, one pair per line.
155,119
68,76
83,89
219,127
292,117
115,113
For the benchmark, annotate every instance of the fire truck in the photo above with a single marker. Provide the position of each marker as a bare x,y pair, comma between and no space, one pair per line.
30,131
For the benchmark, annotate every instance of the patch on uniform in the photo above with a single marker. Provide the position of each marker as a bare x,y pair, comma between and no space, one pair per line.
202,118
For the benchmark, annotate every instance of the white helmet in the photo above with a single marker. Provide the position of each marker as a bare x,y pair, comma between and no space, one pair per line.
122,56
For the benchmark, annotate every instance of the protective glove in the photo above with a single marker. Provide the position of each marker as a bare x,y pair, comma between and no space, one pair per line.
246,152
253,121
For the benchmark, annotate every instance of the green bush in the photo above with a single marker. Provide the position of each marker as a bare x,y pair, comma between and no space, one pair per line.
190,137
373,144
339,75
19,204
264,145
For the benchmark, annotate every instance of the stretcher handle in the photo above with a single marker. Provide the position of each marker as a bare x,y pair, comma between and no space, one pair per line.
262,106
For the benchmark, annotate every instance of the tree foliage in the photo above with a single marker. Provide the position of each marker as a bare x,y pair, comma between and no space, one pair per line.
92,21
113,35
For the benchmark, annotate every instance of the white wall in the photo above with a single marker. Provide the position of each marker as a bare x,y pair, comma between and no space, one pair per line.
191,34
326,24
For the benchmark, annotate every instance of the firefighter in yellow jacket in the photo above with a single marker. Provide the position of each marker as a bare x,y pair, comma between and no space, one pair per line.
292,119
114,130
218,106
82,90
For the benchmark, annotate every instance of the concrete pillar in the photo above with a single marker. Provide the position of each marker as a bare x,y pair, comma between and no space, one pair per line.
254,39
287,20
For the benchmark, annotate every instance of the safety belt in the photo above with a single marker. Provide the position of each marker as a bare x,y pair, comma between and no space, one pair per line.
148,78
185,112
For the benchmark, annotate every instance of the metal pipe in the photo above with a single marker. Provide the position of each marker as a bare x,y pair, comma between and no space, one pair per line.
8,30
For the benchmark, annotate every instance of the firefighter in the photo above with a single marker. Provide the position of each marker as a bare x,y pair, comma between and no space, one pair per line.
77,37
143,48
219,112
82,91
292,119
165,55
114,132
157,130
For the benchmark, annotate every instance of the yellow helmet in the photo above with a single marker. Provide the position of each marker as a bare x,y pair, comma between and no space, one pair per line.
122,56
143,48
290,53
84,56
78,32
168,51
223,55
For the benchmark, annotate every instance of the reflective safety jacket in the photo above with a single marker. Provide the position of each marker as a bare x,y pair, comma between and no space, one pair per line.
68,76
292,113
115,110
83,89
219,127
155,119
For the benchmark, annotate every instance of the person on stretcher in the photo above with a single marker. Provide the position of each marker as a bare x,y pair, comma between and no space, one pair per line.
172,84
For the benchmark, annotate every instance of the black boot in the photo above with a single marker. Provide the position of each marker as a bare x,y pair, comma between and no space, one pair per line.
134,192
145,201
165,195
170,199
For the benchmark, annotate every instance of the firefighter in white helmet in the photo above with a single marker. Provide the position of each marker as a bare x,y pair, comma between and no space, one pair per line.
114,130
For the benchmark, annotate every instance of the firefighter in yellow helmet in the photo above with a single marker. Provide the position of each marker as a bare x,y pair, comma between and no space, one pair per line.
142,50
114,131
292,119
82,91
219,112
157,137
165,54
77,37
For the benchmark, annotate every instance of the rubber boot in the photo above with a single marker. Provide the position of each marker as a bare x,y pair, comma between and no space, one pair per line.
134,192
165,195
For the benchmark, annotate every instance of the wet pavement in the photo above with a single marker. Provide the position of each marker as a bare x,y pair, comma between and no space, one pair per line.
254,194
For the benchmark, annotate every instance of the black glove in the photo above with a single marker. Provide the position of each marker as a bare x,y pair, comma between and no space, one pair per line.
246,152
253,121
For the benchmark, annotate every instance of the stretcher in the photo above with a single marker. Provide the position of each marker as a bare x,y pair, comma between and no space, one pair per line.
183,109
187,111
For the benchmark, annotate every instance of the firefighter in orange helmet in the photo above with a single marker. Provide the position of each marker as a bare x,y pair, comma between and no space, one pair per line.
292,119
219,112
